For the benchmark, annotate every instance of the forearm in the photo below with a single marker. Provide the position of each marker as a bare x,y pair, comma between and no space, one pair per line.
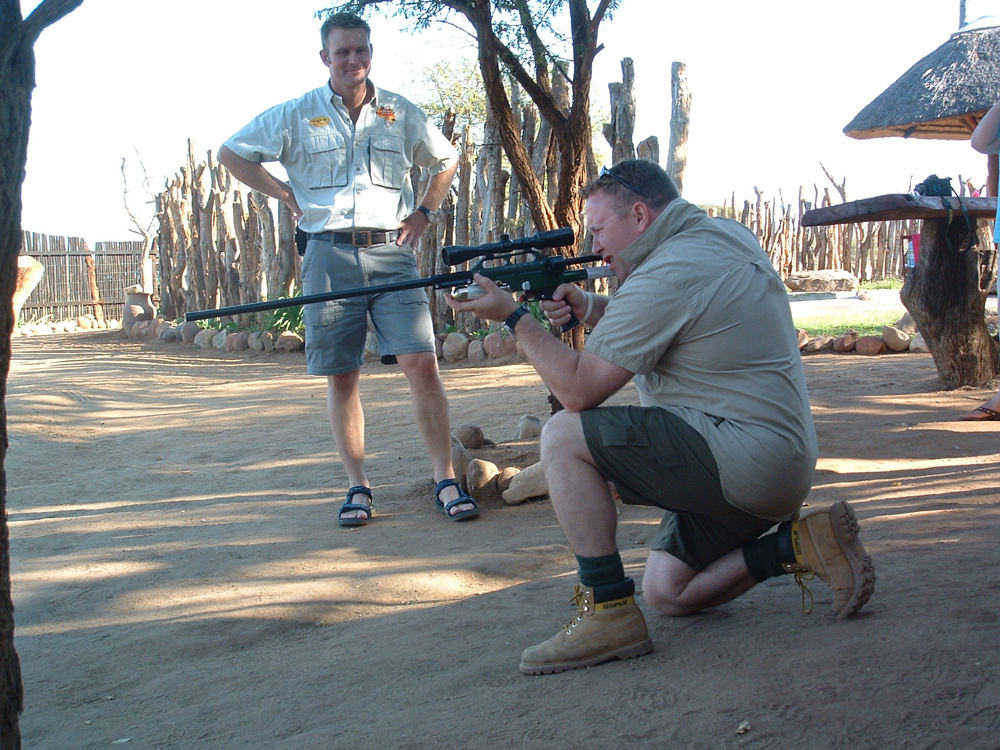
986,137
254,175
580,380
437,188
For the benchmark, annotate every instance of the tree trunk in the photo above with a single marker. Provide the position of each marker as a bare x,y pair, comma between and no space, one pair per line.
17,73
946,295
17,79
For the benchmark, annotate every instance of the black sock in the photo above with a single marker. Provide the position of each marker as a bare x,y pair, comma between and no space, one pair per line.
600,571
763,556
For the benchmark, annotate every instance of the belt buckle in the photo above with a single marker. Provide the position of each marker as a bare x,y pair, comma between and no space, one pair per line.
362,239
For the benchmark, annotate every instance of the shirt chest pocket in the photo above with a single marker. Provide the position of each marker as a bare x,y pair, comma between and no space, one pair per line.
326,160
388,163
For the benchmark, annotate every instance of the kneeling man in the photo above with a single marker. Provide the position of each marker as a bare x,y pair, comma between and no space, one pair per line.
723,442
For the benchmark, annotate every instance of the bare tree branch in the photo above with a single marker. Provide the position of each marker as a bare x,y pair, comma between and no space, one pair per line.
46,14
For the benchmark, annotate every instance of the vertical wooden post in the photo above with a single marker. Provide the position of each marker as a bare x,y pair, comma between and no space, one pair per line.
680,117
95,293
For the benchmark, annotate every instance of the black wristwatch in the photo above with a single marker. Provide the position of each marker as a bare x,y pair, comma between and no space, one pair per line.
515,316
431,215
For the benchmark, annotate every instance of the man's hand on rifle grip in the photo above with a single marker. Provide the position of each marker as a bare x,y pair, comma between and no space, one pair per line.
567,300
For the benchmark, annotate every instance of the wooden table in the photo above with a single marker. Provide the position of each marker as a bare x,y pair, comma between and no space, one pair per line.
946,292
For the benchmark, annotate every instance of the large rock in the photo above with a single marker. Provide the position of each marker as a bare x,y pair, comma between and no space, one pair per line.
219,342
481,478
917,344
526,485
819,344
455,347
822,281
237,342
906,323
203,340
870,345
460,460
804,338
29,273
471,436
500,344
267,339
85,323
528,426
189,330
895,339
505,477
289,342
846,342
476,352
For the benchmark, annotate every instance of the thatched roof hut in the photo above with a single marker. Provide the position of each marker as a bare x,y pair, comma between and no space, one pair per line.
944,95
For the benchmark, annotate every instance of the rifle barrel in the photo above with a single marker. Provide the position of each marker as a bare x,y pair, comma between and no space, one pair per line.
440,281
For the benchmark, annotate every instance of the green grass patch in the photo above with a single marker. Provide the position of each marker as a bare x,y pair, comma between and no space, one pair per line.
865,323
889,283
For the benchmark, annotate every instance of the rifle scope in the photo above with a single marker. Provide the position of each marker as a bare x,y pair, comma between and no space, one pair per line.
453,255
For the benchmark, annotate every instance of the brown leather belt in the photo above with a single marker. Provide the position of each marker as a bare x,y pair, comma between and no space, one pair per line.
358,238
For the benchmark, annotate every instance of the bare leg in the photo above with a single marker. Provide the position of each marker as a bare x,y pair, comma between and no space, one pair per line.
580,495
677,589
430,407
347,420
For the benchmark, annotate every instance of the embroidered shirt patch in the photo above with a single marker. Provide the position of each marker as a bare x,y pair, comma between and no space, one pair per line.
319,122
388,114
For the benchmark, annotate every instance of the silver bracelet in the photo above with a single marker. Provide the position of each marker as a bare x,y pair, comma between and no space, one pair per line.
590,307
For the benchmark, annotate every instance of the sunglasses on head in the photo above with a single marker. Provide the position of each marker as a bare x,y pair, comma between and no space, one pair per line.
623,181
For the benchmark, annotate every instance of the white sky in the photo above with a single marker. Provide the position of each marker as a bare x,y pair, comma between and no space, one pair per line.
773,84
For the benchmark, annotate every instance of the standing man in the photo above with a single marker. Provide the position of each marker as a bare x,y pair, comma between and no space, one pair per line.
723,442
347,148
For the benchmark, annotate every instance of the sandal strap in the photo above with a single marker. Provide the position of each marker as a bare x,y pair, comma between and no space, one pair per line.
359,488
444,484
363,507
463,497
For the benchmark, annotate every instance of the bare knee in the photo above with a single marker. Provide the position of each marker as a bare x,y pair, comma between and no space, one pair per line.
665,582
420,367
561,436
665,599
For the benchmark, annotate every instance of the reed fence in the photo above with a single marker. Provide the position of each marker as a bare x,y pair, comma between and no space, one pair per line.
79,280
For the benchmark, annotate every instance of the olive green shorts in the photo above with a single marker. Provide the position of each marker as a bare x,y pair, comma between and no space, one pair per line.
656,458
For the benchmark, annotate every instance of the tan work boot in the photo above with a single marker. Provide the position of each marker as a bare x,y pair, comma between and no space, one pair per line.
613,629
826,543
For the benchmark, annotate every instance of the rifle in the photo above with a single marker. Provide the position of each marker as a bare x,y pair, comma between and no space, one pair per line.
535,278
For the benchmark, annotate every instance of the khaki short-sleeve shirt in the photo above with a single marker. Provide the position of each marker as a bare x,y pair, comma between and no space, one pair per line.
345,175
704,322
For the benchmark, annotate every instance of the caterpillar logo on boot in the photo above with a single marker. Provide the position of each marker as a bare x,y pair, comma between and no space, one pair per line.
614,604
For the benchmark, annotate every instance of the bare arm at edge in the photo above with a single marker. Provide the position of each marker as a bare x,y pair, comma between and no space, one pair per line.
986,137
253,175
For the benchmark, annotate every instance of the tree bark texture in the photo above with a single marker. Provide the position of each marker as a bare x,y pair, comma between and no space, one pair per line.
17,80
680,118
946,295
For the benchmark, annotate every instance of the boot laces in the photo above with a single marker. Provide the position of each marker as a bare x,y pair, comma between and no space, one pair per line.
801,576
582,607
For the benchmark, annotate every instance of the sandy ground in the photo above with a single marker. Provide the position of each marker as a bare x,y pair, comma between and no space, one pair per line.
181,582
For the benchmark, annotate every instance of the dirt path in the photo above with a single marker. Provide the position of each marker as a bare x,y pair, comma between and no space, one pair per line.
180,580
